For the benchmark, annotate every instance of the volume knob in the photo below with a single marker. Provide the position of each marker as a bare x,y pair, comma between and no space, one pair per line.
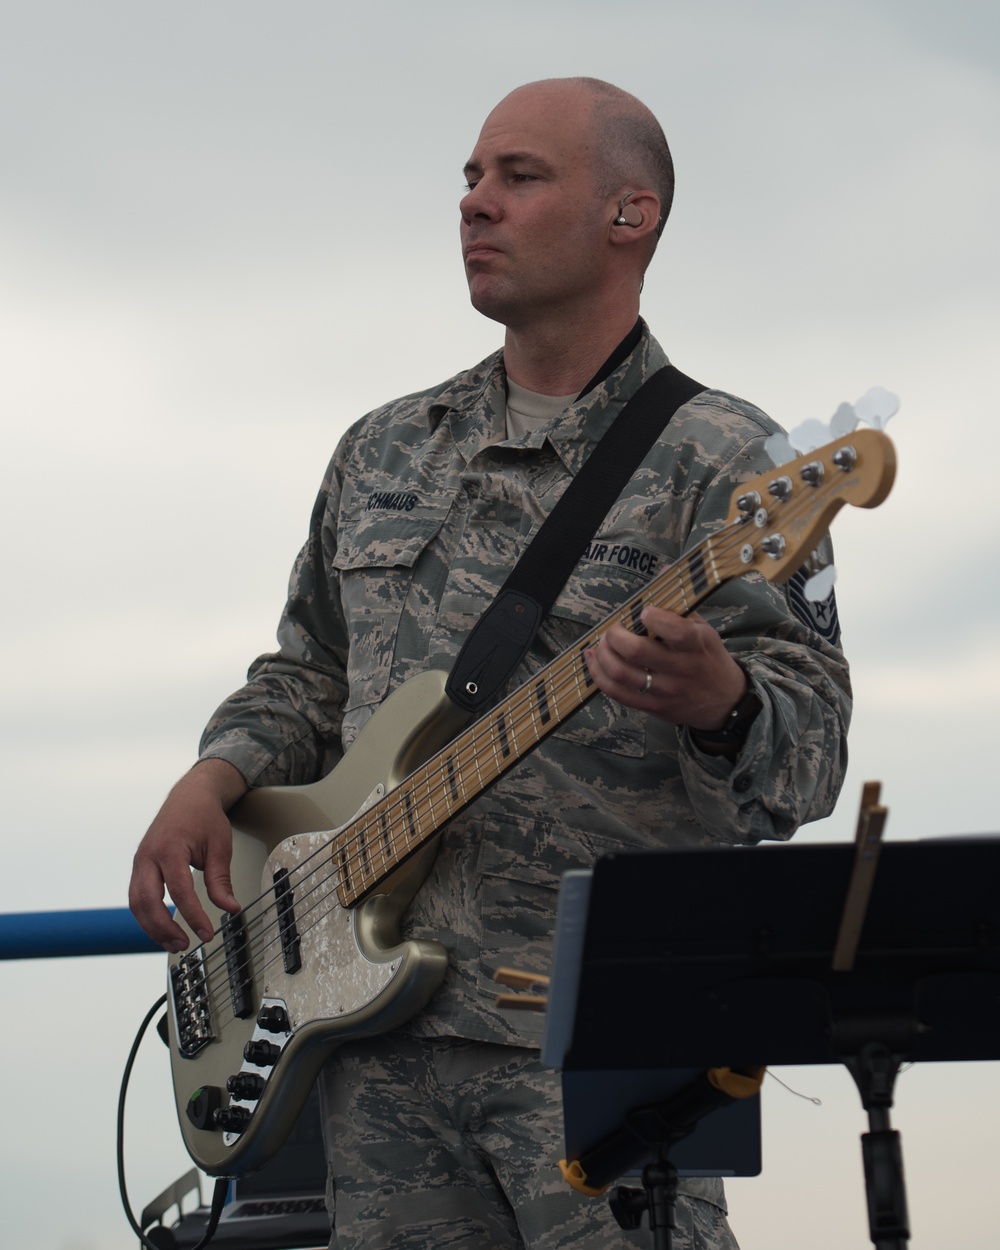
273,1019
232,1119
261,1053
247,1086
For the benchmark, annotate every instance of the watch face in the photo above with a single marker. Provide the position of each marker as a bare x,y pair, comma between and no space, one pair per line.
736,728
744,714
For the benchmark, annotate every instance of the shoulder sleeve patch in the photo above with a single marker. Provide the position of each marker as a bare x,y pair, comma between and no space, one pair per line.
820,616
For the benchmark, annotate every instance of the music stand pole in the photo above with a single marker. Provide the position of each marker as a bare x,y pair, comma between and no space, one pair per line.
655,1128
658,1198
874,1069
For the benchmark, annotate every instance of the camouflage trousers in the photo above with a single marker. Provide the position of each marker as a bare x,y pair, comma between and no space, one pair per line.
454,1145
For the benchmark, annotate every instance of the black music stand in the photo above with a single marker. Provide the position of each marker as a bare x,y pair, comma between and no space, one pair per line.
622,1120
725,957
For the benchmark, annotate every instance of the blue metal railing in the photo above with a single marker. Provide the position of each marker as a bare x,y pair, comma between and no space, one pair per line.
95,931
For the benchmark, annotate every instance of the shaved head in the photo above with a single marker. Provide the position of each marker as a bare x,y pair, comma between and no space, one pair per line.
631,148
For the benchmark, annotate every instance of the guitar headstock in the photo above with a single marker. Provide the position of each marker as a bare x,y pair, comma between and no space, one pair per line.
776,520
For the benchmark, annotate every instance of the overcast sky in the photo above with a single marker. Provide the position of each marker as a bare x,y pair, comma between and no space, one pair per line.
228,229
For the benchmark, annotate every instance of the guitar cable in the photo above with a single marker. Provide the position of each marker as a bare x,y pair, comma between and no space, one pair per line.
221,1185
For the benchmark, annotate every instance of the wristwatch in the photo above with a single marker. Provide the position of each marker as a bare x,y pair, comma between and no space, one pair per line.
734,731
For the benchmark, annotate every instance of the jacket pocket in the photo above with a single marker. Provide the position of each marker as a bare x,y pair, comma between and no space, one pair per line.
375,562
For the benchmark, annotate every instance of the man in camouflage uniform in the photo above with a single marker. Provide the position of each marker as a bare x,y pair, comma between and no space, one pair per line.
447,1132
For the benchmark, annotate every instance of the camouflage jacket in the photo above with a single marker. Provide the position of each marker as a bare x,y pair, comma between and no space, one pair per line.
424,510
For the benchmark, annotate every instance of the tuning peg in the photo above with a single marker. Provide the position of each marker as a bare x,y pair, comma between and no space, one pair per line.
844,420
876,406
779,449
818,587
810,435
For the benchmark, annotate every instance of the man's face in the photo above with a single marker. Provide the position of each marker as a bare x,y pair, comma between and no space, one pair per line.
534,229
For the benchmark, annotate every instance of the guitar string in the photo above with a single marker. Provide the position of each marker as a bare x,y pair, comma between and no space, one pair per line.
392,809
388,812
390,821
389,818
390,815
322,893
564,672
520,709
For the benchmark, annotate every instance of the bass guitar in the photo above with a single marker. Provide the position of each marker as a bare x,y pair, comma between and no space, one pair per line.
316,958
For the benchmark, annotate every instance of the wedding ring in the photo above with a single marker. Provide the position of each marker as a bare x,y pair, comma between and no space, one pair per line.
649,683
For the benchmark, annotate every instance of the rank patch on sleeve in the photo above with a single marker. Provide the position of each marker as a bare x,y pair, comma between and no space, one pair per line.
820,615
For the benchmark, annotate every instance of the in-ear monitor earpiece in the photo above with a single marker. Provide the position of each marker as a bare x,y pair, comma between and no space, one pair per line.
628,214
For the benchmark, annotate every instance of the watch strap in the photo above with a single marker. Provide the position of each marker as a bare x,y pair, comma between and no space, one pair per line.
734,731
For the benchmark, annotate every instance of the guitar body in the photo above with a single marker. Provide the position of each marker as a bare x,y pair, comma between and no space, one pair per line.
354,977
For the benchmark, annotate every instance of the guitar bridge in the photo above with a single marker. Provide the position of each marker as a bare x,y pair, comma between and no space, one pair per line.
192,1016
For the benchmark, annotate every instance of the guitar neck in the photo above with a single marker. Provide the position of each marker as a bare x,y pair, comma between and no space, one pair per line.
774,521
386,834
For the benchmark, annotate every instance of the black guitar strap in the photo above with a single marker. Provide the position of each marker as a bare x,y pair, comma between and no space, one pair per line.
502,635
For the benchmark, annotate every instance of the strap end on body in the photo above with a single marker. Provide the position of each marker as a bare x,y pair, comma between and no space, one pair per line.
493,650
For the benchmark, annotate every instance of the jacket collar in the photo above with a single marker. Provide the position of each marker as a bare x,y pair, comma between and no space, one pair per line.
477,402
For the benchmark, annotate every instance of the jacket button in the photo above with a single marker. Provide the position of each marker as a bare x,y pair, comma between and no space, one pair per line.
742,783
